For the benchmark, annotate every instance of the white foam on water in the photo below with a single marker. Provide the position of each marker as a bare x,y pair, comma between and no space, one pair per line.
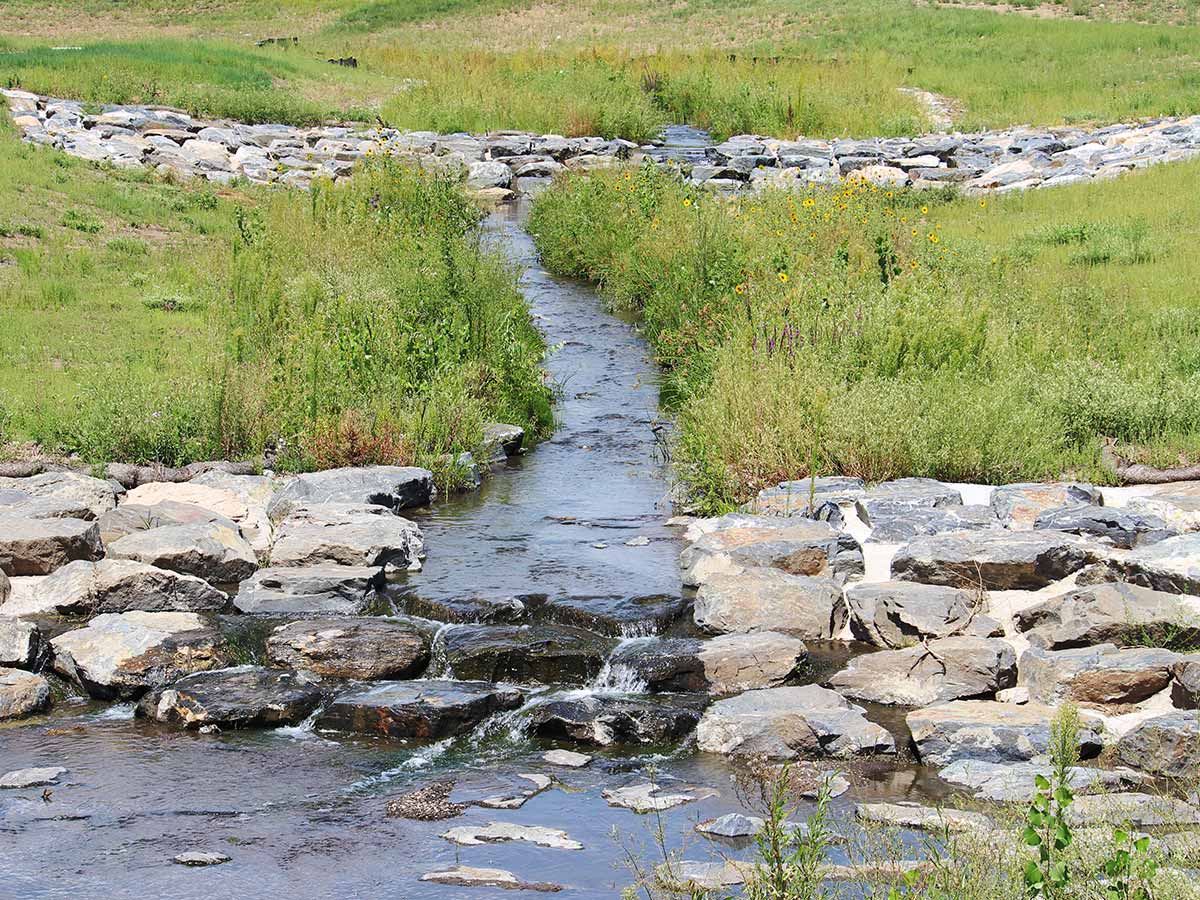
118,712
304,731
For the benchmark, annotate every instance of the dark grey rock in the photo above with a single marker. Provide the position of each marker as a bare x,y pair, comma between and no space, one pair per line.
338,590
898,614
241,697
421,710
397,487
995,560
542,654
1122,614
1124,528
352,647
602,721
1165,745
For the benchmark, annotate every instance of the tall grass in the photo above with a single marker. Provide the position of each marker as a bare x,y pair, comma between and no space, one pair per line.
879,333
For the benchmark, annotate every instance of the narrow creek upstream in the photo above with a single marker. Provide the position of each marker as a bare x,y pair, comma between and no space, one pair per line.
302,814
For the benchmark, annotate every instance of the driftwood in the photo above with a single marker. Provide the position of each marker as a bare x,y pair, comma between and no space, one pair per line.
131,476
1137,473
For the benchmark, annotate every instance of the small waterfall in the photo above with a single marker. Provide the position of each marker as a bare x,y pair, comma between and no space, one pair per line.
305,730
439,664
616,678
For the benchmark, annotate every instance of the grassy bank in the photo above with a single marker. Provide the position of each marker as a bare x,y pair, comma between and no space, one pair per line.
612,67
880,334
147,321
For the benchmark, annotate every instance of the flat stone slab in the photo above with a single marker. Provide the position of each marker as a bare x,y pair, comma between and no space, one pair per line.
1139,810
768,599
27,778
648,796
396,487
1014,782
616,616
330,590
1117,613
201,858
1176,504
96,495
947,669
213,552
793,546
567,758
470,876
1103,674
602,721
897,614
352,647
421,710
790,722
39,546
726,664
1019,505
503,832
1122,528
987,731
22,693
1171,565
240,697
895,524
129,518
925,818
125,585
340,534
993,560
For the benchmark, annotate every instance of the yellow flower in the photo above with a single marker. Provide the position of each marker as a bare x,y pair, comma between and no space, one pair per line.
924,210
687,201
812,235
740,289
627,176
889,195
914,232
809,201
913,264
903,220
982,204
783,277
778,232
933,238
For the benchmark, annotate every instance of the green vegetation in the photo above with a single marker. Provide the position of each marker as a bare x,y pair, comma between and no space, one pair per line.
858,331
603,67
146,321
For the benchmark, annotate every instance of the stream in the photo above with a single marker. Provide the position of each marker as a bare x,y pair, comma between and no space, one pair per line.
301,813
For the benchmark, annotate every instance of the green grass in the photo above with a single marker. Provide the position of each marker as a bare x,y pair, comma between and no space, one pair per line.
146,321
853,332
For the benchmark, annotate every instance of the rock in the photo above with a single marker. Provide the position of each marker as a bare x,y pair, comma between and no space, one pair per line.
27,778
913,493
1171,565
946,669
616,616
129,518
1177,504
1013,782
213,552
121,655
201,858
1120,614
424,710
647,796
987,731
346,535
98,496
899,614
508,439
1121,527
39,546
800,498
731,825
605,720
22,693
469,876
123,585
567,758
503,832
1098,675
787,722
362,648
489,174
1185,690
1019,505
475,610
896,523
396,487
26,506
540,654
925,818
727,664
223,496
223,503
1139,810
21,644
5,588
764,599
994,560
518,799
795,546
1164,745
241,697
336,590
427,804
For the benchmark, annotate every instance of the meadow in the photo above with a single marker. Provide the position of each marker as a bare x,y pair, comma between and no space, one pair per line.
153,322
882,333
619,68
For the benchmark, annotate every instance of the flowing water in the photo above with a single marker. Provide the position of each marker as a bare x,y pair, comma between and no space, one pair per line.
302,814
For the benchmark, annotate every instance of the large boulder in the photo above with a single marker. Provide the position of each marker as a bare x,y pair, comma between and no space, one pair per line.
1171,565
1185,689
951,668
1100,675
478,610
21,644
897,523
1121,614
767,599
23,505
1140,810
911,493
987,731
802,497
97,495
397,487
246,507
255,493
1177,504
132,517
120,656
1165,745
123,585
1015,782
993,560
1123,528
789,723
617,616
325,590
351,647
240,697
898,614
727,664
1019,505
541,654
794,546
345,534
423,710
39,546
22,693
213,552
608,720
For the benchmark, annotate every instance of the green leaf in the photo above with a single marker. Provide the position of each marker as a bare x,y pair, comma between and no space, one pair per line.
1142,844
1032,838
1120,836
1042,782
1033,875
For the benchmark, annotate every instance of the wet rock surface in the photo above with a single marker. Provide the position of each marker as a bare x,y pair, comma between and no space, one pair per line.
22,693
602,721
422,710
352,647
539,654
241,697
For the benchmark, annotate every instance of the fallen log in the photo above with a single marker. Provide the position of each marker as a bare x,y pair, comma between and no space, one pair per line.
130,476
1138,473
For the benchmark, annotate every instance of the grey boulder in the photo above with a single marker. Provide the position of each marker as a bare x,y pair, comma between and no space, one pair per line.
351,647
993,560
344,534
421,710
213,552
22,693
987,731
21,644
767,599
1121,527
898,614
793,546
1166,745
946,669
327,590
1019,505
240,697
124,585
396,487
39,546
1098,675
541,654
1118,613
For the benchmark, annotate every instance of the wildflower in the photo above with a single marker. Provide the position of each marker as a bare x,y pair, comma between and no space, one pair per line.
903,220
778,232
812,235
924,210
982,204
933,238
783,277
809,201
890,194
740,289
914,232
687,201
913,264
627,176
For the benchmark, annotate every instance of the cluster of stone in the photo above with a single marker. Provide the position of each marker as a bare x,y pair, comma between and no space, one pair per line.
501,164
